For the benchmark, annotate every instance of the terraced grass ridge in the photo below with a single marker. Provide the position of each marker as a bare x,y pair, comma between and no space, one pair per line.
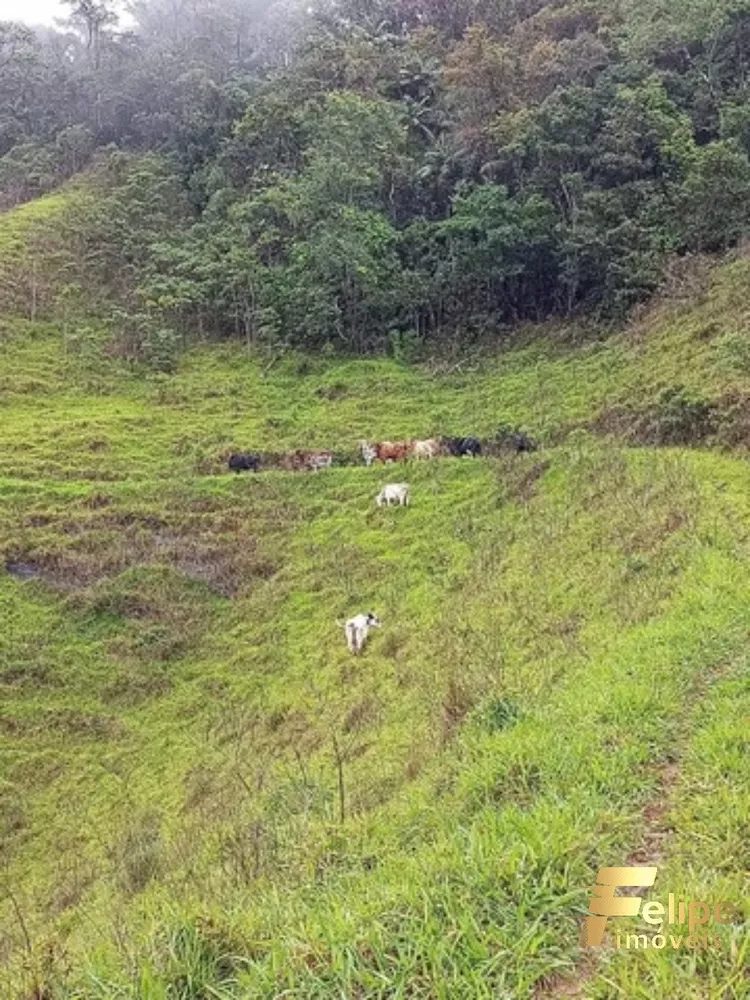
203,795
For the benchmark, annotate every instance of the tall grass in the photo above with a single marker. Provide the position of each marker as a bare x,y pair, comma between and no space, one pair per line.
203,795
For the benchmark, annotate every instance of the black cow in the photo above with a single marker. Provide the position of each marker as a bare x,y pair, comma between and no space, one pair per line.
521,442
463,446
244,462
514,439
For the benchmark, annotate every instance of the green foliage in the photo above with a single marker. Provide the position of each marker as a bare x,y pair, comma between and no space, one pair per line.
680,418
498,252
446,173
139,338
499,715
716,197
736,348
406,345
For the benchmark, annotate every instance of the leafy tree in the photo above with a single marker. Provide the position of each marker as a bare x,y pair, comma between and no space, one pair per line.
499,259
371,174
94,16
715,198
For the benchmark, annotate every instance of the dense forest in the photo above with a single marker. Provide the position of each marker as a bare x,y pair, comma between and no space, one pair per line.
384,174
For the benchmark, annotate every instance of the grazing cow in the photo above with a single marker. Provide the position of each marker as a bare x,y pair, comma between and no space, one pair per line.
316,460
293,461
521,442
393,451
393,493
357,629
296,461
426,449
244,462
369,452
514,439
463,446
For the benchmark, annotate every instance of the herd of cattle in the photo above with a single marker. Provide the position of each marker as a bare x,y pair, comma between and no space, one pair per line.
381,451
357,629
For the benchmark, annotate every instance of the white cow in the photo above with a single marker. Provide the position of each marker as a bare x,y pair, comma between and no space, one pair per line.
357,629
369,452
317,460
393,493
426,449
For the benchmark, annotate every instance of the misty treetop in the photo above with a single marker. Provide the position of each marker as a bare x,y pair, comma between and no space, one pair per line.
361,174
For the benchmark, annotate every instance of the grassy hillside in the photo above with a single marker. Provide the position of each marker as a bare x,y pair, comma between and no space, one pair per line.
202,794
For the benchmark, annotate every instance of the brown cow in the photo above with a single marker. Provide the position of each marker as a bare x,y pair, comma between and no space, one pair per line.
392,451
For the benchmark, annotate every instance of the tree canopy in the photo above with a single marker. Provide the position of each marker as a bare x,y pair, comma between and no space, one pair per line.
355,174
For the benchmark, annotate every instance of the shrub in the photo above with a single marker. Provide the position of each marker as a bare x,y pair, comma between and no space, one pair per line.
138,339
500,714
679,418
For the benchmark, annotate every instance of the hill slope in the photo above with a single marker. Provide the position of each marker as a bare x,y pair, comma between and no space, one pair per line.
203,795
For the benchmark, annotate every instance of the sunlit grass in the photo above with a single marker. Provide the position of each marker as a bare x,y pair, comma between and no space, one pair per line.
203,795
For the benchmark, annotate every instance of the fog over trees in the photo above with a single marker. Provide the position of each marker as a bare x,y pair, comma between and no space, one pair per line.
365,174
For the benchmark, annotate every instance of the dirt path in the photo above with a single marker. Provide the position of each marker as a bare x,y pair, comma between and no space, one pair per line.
652,848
